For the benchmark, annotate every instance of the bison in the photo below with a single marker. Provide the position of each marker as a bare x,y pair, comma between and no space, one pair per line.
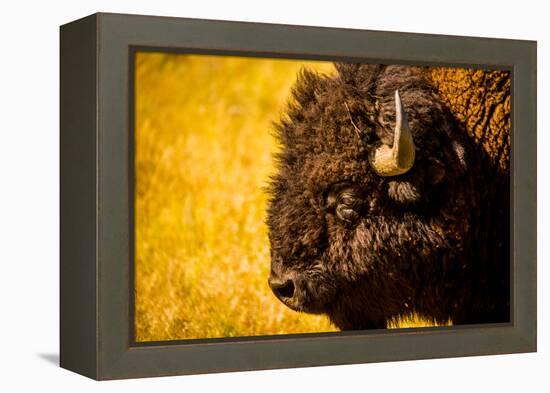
391,196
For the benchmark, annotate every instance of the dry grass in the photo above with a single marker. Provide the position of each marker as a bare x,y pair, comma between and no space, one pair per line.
203,155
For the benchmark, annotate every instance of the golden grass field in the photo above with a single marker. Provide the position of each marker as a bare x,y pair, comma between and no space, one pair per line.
204,145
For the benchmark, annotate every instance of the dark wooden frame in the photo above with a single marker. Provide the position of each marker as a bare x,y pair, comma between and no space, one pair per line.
97,183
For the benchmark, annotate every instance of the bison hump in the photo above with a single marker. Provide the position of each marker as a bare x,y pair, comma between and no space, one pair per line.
480,100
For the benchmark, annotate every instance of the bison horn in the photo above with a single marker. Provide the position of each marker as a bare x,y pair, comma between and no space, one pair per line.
398,159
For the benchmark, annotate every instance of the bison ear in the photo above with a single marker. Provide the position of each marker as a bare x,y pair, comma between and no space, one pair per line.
403,191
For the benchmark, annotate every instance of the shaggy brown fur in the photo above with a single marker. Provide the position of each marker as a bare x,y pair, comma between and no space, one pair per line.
480,100
366,249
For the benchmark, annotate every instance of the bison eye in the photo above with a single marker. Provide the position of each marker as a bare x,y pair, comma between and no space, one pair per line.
345,202
346,214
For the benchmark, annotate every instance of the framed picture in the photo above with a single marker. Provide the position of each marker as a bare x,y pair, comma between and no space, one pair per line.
241,196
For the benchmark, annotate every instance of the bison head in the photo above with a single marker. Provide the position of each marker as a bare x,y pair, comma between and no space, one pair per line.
370,187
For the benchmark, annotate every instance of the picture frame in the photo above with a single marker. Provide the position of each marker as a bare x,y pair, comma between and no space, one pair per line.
96,196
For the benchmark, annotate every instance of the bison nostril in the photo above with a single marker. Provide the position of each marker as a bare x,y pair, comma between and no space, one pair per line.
283,290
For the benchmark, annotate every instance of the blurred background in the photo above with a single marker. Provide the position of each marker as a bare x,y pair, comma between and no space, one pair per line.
204,145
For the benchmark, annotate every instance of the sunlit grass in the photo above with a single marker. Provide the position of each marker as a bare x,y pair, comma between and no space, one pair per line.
203,155
414,320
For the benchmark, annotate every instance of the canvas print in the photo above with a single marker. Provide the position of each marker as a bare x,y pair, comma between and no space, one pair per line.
283,196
